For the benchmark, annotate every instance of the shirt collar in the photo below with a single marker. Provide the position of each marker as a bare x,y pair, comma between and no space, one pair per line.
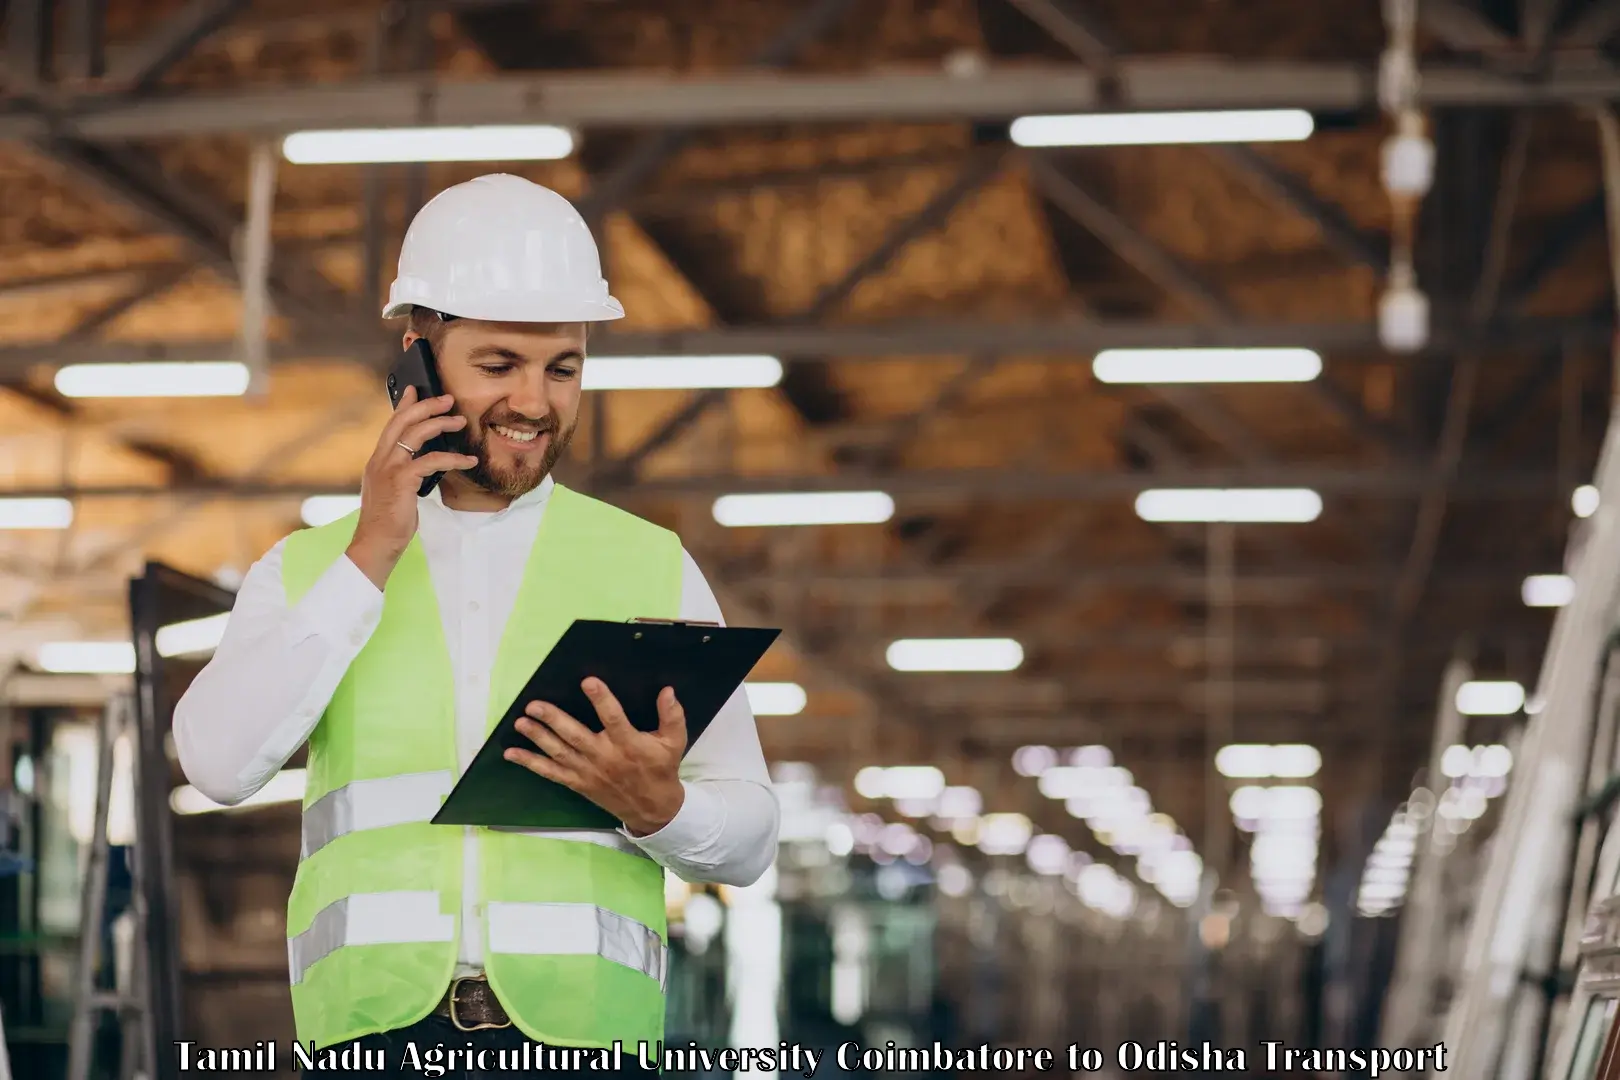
535,498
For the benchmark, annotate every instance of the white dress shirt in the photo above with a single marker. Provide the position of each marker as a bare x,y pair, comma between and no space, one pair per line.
277,667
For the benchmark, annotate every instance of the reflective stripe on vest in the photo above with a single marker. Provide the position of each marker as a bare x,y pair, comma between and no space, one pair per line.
411,799
538,929
373,804
600,837
391,918
551,929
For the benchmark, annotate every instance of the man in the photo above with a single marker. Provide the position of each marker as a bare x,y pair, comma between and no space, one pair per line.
392,640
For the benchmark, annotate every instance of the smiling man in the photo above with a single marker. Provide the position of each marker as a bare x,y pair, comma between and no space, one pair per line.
391,641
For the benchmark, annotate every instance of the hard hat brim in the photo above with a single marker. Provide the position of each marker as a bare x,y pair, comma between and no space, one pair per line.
516,309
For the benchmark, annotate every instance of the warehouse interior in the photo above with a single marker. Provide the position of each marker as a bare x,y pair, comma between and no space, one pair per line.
1064,755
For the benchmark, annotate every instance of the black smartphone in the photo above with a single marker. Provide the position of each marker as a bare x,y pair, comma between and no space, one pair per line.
417,367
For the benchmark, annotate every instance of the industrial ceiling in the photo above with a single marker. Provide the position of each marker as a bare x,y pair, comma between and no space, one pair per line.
833,183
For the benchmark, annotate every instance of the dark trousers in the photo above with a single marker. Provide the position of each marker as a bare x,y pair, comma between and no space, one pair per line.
434,1044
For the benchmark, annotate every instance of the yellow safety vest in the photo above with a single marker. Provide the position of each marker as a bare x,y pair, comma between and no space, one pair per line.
575,936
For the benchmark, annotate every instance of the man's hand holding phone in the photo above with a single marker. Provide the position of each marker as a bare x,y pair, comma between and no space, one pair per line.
392,477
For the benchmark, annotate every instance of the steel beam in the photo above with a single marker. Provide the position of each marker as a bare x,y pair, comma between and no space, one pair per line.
882,582
1127,241
146,63
646,99
1075,29
1338,231
27,34
1370,482
1594,27
1058,340
1464,28
646,158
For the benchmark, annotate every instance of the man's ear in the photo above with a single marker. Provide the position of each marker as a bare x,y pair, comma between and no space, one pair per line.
411,336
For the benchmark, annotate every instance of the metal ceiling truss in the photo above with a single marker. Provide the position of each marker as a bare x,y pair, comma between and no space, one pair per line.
639,99
1374,481
1054,340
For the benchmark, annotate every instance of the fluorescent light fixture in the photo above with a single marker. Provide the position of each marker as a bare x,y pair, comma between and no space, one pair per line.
1148,129
1489,698
1033,760
189,638
804,508
1066,782
1585,501
1206,365
775,698
35,513
681,372
1047,854
1258,762
1295,761
1229,504
899,782
1493,761
321,510
1547,590
960,802
955,654
1246,761
530,142
192,637
1004,834
87,657
152,380
284,787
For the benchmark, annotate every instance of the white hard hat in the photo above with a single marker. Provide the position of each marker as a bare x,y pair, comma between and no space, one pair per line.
502,249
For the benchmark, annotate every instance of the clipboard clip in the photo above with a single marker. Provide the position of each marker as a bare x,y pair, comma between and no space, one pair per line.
676,622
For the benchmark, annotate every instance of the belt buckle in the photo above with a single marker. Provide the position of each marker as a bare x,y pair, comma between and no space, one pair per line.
456,1020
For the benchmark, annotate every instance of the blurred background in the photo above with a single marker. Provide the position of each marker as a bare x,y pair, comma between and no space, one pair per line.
1171,435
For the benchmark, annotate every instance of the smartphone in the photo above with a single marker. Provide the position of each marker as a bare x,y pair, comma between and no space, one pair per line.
417,367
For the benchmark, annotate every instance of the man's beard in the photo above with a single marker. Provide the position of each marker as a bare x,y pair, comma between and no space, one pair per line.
507,481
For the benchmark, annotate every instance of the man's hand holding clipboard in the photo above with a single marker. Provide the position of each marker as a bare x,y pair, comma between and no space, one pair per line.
633,775
597,736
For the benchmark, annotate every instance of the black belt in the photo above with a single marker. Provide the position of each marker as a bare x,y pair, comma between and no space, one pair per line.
471,1005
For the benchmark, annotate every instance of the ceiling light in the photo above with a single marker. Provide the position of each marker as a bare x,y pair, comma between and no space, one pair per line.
35,513
775,698
152,380
1143,129
955,654
532,142
1547,590
1295,761
1004,834
1585,501
286,786
681,372
321,510
1066,782
805,508
1456,761
1033,760
1493,761
900,782
192,636
1249,802
959,802
1489,698
1096,756
87,657
1206,365
1047,854
1229,504
1243,761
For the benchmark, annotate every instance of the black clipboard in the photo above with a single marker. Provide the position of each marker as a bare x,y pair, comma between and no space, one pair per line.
705,664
